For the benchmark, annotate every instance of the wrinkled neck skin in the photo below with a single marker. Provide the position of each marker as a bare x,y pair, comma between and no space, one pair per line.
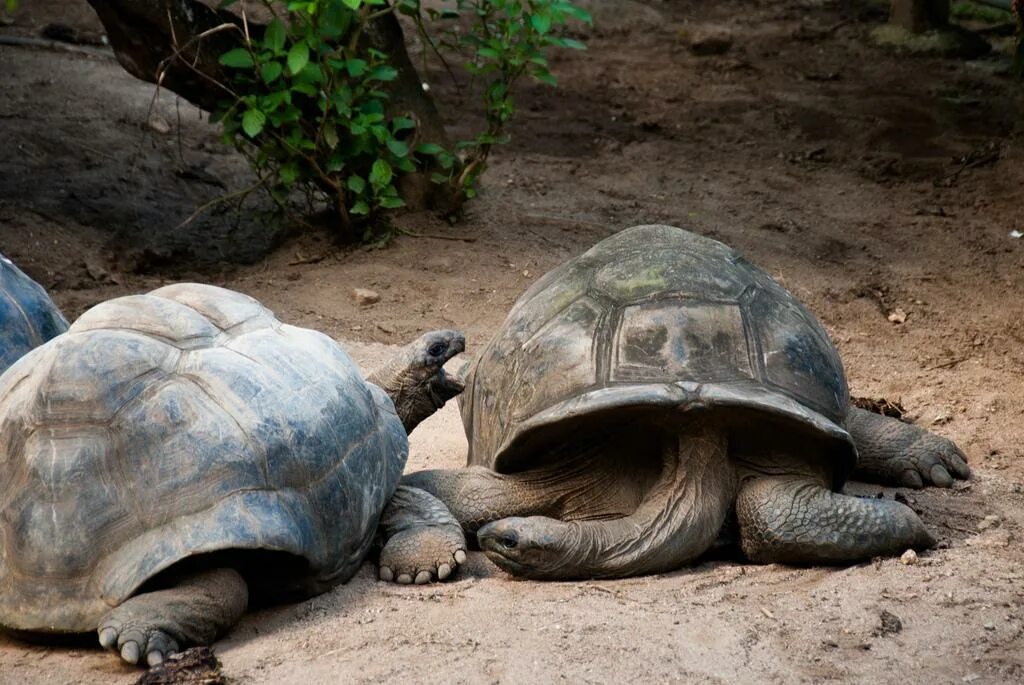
417,391
677,521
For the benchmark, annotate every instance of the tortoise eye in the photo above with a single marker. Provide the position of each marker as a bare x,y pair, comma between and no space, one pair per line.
437,349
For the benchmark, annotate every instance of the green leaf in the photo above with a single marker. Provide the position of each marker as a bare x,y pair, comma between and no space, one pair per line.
270,71
330,136
356,184
298,57
402,124
541,23
397,147
382,73
360,208
273,37
335,21
352,4
574,44
575,12
289,173
305,88
429,149
239,58
391,202
380,174
356,67
545,76
253,121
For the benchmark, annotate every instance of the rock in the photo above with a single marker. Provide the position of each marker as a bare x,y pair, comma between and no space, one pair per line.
897,316
96,270
989,626
708,42
890,624
365,297
990,521
909,558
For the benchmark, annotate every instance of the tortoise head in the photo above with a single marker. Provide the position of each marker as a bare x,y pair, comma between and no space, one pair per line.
415,378
534,547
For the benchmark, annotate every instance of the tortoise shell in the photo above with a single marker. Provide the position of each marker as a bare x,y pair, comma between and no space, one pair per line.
652,319
28,317
183,422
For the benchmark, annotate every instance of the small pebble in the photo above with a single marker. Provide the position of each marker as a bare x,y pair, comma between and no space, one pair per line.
365,296
990,521
158,124
909,558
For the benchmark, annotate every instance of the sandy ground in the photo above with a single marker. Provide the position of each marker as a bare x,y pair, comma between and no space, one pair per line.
874,186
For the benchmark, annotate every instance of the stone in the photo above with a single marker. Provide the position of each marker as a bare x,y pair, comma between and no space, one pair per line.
365,297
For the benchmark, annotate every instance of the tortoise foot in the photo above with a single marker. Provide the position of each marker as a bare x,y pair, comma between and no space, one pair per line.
423,554
424,542
135,637
896,453
145,629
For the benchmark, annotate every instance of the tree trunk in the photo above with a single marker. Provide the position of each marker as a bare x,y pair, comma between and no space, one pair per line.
146,34
918,16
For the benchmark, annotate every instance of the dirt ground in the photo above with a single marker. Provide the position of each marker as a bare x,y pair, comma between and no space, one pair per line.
882,190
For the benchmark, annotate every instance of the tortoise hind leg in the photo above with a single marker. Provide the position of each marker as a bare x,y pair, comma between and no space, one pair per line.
797,520
195,611
895,453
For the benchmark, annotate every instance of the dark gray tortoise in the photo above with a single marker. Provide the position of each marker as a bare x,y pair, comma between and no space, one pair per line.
175,454
639,394
28,317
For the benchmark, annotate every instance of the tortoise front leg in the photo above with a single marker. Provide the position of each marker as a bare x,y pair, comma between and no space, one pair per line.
891,452
475,496
423,542
195,611
797,520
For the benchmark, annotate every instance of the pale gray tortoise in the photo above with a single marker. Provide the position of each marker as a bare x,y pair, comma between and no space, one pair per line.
176,454
28,317
644,392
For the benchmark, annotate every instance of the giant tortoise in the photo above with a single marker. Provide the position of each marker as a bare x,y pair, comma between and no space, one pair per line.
641,394
28,317
174,454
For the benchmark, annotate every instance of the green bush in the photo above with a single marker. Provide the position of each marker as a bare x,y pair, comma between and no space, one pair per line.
308,101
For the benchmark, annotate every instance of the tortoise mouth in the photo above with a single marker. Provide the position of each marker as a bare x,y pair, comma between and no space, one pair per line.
443,386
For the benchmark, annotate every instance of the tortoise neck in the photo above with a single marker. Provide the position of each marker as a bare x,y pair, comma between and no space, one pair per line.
677,520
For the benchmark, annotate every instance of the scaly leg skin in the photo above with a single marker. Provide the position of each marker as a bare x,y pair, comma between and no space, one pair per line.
891,452
797,520
195,611
475,496
423,542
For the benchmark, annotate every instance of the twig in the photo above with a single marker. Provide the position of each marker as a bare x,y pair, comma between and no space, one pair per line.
437,236
218,200
950,364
